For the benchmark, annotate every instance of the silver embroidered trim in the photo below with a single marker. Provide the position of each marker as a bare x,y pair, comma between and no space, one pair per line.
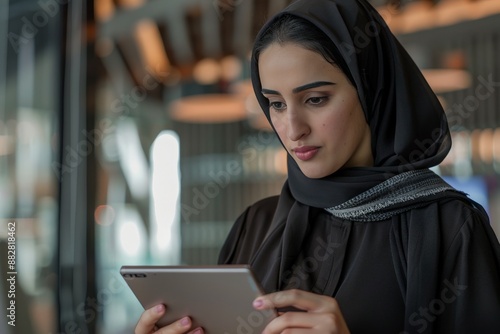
375,203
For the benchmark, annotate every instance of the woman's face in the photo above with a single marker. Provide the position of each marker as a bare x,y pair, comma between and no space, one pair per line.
315,110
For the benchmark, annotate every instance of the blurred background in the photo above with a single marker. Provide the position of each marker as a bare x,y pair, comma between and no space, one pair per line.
129,135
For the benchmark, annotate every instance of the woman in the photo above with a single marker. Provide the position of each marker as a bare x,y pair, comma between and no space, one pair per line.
363,238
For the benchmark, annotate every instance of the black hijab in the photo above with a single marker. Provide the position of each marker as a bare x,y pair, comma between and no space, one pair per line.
407,122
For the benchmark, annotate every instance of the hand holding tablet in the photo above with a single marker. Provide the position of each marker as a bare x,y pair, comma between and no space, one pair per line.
216,298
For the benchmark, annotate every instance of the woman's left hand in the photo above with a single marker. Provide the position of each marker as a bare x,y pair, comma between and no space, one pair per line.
322,314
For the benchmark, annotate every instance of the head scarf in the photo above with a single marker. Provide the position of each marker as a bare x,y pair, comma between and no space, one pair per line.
408,126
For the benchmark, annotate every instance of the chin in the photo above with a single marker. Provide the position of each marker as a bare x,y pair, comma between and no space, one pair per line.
317,169
316,174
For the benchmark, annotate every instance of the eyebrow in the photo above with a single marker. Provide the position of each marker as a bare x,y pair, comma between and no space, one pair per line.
300,88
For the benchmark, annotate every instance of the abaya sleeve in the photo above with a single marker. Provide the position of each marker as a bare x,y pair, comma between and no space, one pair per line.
469,295
452,271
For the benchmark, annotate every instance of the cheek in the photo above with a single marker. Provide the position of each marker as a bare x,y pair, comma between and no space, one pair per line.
279,126
341,128
337,125
335,132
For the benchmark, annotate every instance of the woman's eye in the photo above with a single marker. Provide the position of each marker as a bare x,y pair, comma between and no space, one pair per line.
278,106
317,100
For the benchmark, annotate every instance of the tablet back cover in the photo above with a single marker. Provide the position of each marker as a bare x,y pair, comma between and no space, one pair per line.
217,298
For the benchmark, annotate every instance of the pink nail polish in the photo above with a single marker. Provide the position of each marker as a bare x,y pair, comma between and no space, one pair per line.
258,303
159,308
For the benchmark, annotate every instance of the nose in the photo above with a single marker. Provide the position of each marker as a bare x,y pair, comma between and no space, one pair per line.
297,126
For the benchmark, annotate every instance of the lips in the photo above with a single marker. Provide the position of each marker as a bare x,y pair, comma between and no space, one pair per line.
305,153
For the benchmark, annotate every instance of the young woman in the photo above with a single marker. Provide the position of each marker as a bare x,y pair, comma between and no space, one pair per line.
363,238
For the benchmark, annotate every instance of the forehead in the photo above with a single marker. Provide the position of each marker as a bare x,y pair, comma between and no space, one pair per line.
293,64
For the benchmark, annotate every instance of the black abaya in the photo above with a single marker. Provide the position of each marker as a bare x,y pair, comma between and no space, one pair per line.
400,275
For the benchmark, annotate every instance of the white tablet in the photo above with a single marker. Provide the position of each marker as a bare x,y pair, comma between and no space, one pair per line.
217,298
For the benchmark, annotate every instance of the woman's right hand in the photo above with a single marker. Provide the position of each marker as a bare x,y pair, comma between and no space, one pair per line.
148,319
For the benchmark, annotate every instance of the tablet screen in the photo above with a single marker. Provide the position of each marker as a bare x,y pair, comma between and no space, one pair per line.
217,298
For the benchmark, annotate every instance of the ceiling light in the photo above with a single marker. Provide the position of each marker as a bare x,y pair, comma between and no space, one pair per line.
447,80
452,11
416,15
231,68
207,71
151,48
131,3
485,8
103,9
209,108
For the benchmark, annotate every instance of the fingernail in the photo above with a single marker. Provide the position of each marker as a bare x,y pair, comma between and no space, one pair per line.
159,308
198,331
258,303
185,321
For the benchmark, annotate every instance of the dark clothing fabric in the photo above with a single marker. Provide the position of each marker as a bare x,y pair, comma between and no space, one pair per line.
434,269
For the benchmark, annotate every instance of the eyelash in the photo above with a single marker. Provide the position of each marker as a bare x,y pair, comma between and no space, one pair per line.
323,99
272,105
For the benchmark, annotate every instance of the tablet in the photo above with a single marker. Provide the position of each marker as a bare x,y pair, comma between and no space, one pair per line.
217,298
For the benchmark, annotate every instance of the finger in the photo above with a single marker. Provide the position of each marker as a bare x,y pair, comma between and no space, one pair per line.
322,323
178,327
198,330
297,298
297,331
148,319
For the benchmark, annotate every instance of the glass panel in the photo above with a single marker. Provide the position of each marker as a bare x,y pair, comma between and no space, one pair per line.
29,149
